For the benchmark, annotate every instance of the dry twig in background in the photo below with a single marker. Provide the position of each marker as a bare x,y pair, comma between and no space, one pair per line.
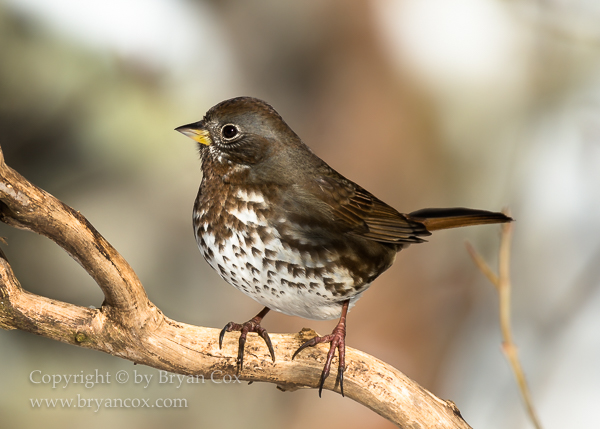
503,286
129,326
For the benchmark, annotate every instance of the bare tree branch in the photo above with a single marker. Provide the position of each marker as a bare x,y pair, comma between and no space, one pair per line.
129,326
503,285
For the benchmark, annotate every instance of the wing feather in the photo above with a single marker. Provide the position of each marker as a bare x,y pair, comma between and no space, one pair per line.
365,215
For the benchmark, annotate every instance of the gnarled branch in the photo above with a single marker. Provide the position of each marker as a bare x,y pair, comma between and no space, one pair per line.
129,326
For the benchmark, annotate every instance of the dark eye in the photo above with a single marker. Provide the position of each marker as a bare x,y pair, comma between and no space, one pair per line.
229,131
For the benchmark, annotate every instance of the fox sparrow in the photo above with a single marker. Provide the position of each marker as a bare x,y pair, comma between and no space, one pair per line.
279,224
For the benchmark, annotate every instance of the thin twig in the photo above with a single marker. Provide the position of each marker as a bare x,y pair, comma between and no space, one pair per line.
481,264
503,285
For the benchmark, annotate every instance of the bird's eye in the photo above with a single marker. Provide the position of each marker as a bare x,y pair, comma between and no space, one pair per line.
229,131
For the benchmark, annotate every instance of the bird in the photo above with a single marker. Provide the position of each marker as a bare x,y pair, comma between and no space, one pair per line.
279,224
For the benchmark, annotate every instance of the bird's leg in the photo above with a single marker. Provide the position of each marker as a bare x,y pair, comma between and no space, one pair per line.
337,338
252,325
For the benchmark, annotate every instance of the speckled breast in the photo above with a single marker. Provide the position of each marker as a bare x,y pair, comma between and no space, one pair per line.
246,243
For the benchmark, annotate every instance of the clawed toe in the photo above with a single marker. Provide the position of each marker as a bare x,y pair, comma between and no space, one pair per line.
338,341
253,325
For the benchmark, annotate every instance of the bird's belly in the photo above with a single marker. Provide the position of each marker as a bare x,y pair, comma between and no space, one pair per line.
278,276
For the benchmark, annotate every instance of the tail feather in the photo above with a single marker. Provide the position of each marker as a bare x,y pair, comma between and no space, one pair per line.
455,217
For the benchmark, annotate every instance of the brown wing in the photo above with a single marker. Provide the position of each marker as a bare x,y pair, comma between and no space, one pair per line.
367,216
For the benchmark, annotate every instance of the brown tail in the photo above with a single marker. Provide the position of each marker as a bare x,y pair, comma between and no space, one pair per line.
435,219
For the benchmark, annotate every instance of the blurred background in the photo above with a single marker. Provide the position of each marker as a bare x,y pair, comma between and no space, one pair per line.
430,103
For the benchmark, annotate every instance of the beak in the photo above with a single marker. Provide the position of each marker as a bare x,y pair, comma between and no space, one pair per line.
196,132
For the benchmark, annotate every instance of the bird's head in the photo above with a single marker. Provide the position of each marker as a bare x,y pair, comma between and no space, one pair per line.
241,131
